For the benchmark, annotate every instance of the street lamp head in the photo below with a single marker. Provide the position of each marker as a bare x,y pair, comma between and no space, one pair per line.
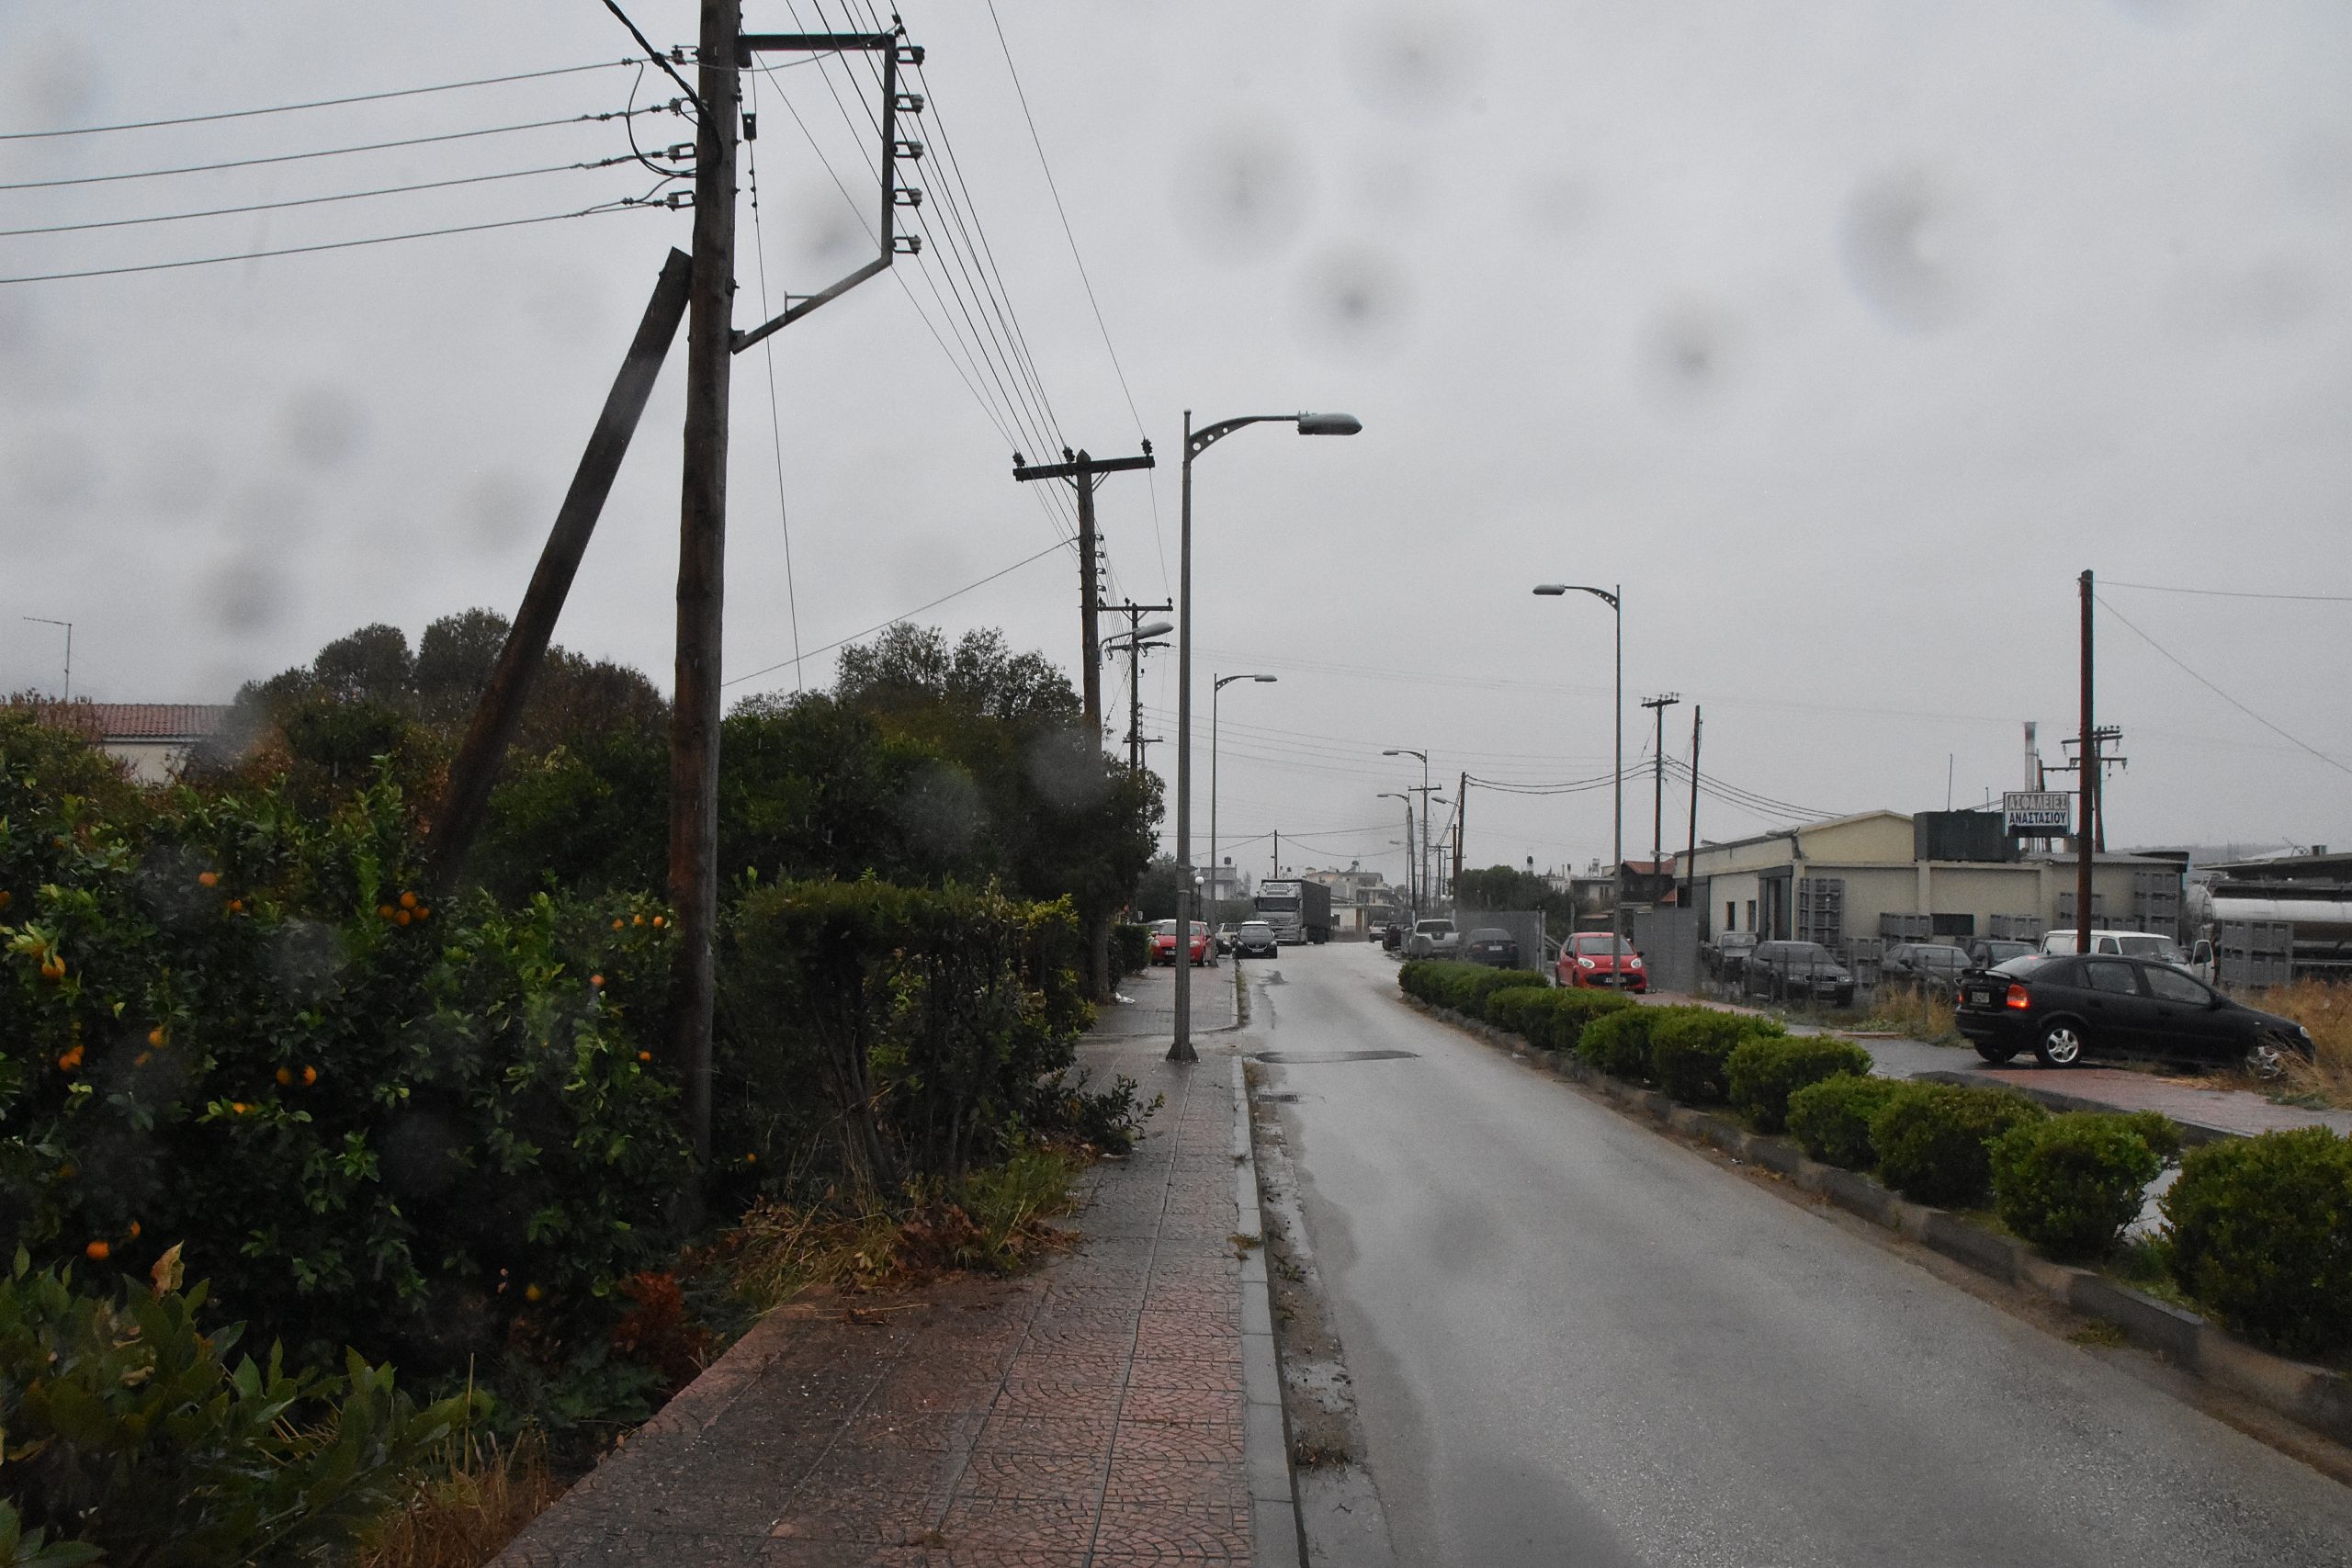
1267,680
1329,425
1154,628
1551,590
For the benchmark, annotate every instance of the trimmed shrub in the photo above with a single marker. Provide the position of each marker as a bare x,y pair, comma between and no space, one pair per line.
1688,1048
1764,1069
1618,1043
1463,987
2070,1184
1831,1120
1574,1009
1523,1010
2262,1234
1934,1140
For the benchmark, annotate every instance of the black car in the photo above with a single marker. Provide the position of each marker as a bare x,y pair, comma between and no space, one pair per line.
1932,967
1986,951
1491,945
1795,970
1726,956
2068,1006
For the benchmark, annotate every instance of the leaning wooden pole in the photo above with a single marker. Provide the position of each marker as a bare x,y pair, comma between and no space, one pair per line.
459,817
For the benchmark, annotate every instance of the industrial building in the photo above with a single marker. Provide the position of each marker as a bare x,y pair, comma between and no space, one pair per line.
1943,875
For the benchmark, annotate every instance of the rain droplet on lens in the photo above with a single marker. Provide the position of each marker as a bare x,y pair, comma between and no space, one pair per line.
323,426
1905,246
1688,353
1412,62
1242,190
1356,298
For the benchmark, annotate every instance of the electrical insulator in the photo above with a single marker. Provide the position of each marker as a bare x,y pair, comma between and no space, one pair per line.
907,196
679,200
906,244
750,126
907,149
908,102
910,54
683,150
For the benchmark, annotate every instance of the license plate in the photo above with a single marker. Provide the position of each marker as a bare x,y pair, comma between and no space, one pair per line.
1980,999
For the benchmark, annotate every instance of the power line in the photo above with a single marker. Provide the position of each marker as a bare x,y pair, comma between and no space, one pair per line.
311,201
884,626
656,56
316,103
333,245
339,151
2228,593
2217,691
775,428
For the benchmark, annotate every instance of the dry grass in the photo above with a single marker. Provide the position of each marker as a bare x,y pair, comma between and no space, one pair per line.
2326,1012
465,1513
1898,1011
997,1224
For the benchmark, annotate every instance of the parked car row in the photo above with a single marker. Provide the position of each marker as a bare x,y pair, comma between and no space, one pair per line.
1796,971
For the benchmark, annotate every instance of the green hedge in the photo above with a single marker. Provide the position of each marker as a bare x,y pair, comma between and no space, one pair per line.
1130,947
1934,1140
2070,1184
1690,1047
2262,1234
1766,1069
1831,1120
1618,1043
1463,987
1525,1010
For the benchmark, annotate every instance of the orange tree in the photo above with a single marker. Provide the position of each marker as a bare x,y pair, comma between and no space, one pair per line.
429,1133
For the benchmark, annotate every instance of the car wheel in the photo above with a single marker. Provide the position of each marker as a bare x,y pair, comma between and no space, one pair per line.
2265,1060
2061,1044
1996,1055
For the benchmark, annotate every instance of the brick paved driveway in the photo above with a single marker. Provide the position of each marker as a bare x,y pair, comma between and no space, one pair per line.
1092,1413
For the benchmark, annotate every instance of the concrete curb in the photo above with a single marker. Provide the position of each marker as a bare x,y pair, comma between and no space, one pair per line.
1277,1536
2310,1397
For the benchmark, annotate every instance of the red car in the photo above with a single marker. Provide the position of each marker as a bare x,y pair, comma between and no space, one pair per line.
1597,958
1163,943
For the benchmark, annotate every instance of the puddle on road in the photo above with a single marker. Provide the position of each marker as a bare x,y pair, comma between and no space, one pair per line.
1311,1058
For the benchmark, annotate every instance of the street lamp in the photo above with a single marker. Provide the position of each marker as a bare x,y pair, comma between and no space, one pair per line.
1408,752
1217,690
1412,895
1196,442
1613,598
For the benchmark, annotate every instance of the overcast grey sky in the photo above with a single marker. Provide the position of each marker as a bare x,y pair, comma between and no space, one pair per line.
1843,335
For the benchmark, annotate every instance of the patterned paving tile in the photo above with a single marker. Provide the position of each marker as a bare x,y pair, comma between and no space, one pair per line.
1036,1524
1181,1534
1001,1473
1047,1435
1200,1441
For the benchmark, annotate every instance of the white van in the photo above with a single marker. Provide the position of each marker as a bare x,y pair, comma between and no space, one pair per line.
2131,944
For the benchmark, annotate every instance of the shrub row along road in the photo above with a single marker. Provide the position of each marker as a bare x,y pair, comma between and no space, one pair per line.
1576,1341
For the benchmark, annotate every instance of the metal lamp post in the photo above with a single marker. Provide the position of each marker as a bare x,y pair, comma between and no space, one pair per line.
1217,690
1196,442
1613,598
1423,867
1412,887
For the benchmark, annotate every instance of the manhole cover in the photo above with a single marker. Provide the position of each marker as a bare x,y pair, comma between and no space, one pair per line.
1310,1058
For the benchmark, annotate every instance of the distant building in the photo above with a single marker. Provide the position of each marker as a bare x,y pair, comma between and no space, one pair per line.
152,740
1944,875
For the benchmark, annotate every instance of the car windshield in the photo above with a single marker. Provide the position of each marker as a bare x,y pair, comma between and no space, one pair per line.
1256,928
1739,939
1490,934
2002,952
1601,946
1163,928
2027,967
2162,949
1805,953
1943,957
1434,928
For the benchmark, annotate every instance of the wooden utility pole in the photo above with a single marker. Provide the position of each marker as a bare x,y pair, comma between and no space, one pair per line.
702,561
467,796
1084,473
1658,706
1461,826
2088,779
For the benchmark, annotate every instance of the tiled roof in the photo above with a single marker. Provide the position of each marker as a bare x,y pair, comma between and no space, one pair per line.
158,721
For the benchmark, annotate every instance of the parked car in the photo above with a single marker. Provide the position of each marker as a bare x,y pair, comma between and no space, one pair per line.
1492,946
1163,943
1600,958
1931,967
1255,939
1433,939
2065,1007
1727,953
1986,951
1392,936
2131,944
1793,971
1224,937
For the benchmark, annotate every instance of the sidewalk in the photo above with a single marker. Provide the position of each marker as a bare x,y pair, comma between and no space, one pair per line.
1090,1413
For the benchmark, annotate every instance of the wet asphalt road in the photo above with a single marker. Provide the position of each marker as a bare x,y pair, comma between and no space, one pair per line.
1575,1342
